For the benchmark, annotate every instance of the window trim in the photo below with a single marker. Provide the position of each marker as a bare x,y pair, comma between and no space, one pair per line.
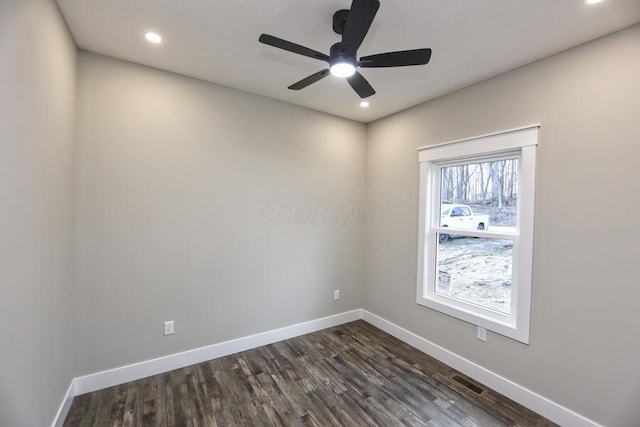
522,142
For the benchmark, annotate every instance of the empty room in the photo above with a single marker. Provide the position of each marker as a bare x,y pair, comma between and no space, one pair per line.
325,213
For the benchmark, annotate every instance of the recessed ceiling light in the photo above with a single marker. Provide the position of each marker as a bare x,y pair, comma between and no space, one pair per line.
364,104
153,37
592,1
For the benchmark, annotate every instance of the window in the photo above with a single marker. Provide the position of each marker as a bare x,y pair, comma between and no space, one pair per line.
476,230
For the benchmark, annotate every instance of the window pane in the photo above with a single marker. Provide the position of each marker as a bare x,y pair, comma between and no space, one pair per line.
476,271
489,189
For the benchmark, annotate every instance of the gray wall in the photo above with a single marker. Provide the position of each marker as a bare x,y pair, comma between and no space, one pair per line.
37,110
178,181
584,335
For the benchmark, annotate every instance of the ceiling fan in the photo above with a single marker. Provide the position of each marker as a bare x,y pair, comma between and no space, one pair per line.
353,25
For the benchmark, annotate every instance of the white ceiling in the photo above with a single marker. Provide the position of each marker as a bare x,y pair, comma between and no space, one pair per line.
217,41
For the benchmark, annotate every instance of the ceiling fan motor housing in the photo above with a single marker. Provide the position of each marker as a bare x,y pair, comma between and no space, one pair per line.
339,54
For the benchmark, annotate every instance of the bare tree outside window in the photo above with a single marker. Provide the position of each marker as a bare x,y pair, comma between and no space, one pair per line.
489,188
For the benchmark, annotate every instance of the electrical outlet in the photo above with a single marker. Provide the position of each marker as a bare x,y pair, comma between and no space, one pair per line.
482,334
336,295
168,327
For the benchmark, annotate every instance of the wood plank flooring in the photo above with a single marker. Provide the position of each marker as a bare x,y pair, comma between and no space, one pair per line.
350,375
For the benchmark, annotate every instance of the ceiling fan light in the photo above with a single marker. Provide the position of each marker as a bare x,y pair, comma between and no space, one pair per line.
343,69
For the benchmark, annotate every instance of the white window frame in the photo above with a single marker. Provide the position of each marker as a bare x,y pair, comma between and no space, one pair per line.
518,143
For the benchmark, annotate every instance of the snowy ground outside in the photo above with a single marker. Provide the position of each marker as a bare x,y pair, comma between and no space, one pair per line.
477,271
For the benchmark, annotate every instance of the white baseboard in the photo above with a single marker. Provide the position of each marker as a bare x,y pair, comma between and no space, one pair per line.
136,371
527,398
63,410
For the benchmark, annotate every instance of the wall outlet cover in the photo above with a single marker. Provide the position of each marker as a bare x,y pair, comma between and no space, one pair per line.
169,327
482,334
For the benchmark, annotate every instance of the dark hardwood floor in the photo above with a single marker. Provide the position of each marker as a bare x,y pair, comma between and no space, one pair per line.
350,375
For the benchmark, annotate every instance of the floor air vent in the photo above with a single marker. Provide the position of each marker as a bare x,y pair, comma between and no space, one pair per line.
468,384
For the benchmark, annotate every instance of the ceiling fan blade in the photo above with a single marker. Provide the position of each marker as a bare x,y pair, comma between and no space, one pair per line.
292,47
358,22
396,59
360,85
310,80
